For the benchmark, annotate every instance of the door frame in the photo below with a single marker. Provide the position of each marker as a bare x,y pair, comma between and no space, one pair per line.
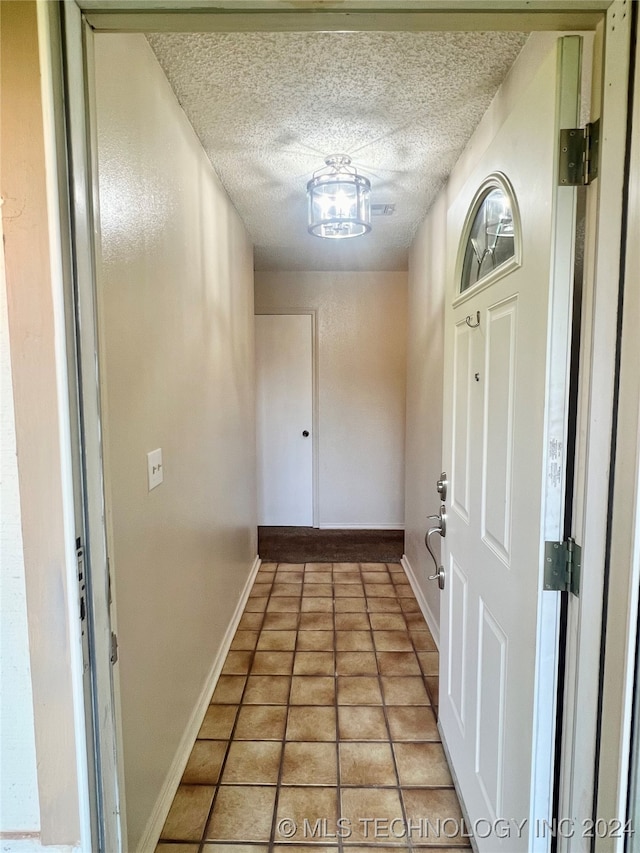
315,396
77,180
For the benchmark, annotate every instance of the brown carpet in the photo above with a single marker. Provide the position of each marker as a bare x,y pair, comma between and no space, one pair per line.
310,545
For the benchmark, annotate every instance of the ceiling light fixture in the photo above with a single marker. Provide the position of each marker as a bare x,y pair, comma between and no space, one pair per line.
339,200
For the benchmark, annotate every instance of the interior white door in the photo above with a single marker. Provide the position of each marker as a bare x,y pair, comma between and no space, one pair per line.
284,379
505,439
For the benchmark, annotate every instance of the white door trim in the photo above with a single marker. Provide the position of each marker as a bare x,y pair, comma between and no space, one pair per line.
315,392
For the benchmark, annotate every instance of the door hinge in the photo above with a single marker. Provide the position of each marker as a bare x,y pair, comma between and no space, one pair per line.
579,155
562,564
114,648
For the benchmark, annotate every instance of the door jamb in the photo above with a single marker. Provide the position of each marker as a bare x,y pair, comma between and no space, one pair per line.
315,396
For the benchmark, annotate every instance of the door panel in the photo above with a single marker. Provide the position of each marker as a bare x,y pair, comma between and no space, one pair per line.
284,382
497,713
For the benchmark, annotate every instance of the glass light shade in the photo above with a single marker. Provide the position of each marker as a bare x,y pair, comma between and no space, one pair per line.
339,201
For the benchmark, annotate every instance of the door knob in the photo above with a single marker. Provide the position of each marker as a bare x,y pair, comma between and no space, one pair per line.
305,433
441,529
442,485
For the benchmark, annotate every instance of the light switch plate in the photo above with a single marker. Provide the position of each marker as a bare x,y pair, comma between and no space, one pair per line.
154,468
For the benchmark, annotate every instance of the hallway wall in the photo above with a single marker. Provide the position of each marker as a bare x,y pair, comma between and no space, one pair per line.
176,286
362,367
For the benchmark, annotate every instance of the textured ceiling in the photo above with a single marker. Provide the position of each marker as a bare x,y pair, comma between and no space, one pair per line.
268,108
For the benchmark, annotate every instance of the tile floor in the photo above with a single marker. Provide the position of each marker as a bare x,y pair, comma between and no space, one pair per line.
321,734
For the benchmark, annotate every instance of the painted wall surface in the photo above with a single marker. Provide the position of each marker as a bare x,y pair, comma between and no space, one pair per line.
361,375
20,810
425,365
176,285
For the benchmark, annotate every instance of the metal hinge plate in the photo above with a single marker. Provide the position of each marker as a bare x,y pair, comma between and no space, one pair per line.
579,155
562,564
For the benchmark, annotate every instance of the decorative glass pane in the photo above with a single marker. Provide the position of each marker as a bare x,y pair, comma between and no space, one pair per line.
491,240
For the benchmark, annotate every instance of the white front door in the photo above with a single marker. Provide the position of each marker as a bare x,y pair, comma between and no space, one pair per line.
284,381
507,356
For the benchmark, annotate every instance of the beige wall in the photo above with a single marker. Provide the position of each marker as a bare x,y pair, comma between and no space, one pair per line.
176,290
425,365
361,368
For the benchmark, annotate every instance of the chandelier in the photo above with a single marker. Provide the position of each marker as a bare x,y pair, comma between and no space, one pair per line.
339,200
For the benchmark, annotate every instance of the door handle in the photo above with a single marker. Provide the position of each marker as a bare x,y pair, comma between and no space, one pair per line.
441,529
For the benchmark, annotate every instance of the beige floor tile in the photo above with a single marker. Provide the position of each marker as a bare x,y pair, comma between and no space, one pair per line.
244,641
237,663
169,847
205,761
316,621
362,723
412,723
250,621
398,663
314,663
433,686
346,567
429,662
242,813
404,690
361,806
359,690
252,763
260,589
313,690
188,813
287,589
277,641
319,577
318,590
311,641
351,605
301,848
392,641
404,591
256,605
280,622
295,576
233,848
352,622
218,722
422,764
272,663
395,567
229,689
423,641
313,604
376,577
438,805
373,567
409,605
388,622
416,621
304,806
348,590
380,590
356,663
292,567
354,641
261,722
311,723
318,567
268,567
367,764
309,764
267,690
382,605
348,577
284,605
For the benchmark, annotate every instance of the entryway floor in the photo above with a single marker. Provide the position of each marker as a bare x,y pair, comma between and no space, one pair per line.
321,734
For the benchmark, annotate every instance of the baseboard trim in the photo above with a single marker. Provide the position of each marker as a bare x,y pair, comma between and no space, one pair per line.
430,619
151,835
361,526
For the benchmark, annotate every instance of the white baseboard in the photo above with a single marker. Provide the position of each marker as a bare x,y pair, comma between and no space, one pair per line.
160,811
361,526
422,601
